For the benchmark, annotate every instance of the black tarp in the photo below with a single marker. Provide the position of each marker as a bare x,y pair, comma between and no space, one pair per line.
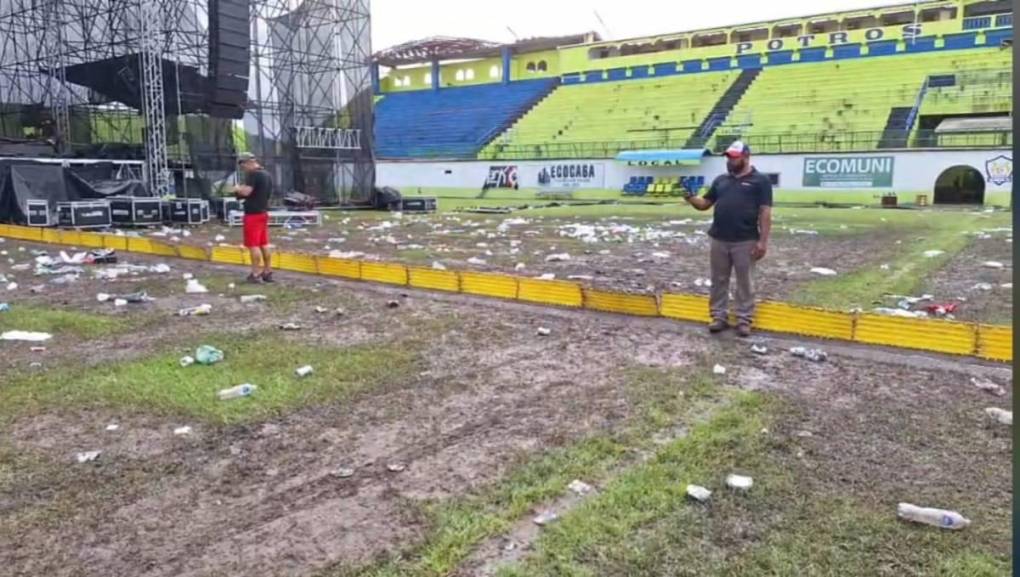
22,180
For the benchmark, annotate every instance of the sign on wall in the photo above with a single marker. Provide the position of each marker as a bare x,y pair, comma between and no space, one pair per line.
848,172
502,177
999,170
572,175
907,32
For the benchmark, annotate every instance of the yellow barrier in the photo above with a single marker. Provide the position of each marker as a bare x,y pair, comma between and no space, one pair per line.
296,262
230,255
428,278
985,341
141,245
90,240
930,335
811,322
611,302
384,272
489,285
70,237
685,307
115,242
339,267
50,236
552,292
995,343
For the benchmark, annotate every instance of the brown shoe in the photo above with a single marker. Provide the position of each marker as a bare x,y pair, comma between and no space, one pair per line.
717,326
743,330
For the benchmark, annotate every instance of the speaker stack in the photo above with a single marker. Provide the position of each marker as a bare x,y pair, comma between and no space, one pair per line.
229,57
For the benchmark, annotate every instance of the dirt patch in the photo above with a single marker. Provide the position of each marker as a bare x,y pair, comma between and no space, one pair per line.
988,291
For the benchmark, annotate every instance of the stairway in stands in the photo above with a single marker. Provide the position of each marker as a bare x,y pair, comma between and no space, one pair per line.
722,108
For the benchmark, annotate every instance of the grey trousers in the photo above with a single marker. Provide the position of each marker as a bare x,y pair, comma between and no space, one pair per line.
735,256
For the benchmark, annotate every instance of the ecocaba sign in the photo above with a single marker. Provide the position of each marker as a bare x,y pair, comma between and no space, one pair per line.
580,175
909,32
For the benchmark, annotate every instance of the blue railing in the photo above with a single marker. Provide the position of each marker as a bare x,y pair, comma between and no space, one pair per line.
977,22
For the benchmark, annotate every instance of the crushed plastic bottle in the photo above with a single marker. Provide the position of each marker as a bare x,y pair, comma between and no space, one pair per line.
739,482
304,371
187,361
698,493
208,355
929,516
200,310
237,392
1003,416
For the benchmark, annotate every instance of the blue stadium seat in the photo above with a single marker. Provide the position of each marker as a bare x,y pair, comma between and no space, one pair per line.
451,122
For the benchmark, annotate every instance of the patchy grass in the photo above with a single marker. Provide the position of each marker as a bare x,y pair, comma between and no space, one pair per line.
642,525
906,273
60,322
160,385
661,399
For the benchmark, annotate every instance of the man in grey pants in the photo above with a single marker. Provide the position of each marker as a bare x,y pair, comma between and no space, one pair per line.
740,233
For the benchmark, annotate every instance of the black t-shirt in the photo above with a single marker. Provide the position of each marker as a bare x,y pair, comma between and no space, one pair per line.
262,187
737,202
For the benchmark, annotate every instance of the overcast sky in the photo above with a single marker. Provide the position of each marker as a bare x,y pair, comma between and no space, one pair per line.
398,21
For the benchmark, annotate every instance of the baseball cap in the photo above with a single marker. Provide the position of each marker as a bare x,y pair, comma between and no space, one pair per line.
243,157
738,148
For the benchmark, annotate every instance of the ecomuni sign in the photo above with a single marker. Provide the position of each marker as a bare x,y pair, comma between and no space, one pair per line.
848,172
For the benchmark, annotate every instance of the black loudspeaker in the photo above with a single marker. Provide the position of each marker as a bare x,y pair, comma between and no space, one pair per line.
229,57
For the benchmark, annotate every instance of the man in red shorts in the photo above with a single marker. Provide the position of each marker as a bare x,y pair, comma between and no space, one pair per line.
255,191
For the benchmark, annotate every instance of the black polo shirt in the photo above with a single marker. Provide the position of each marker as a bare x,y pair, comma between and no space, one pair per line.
262,188
737,202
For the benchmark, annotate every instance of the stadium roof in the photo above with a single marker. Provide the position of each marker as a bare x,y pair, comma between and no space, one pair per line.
447,48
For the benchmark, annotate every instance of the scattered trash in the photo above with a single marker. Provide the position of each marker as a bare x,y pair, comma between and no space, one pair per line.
935,517
393,304
304,371
396,467
219,238
187,276
580,277
344,473
195,287
187,361
519,266
25,336
697,493
814,355
823,271
544,332
112,427
12,286
208,355
545,518
703,282
200,310
580,487
759,349
476,261
941,310
340,312
933,253
547,276
739,482
160,268
438,266
231,286
884,267
661,254
88,456
719,370
1007,285
986,385
900,313
37,349
561,257
247,299
992,264
34,365
1003,416
321,310
237,392
4,307
185,430
982,286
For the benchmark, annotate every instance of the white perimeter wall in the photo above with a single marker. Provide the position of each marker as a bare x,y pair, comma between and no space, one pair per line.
913,172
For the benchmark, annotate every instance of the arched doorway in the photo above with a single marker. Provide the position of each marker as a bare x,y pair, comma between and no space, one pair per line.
960,185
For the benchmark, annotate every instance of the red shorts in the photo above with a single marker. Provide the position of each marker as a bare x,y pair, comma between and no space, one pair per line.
256,230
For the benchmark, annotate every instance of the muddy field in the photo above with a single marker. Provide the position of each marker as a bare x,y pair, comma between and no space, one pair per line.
448,402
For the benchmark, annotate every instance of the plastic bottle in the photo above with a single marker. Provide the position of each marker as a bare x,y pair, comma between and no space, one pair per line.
934,517
304,371
1003,416
244,390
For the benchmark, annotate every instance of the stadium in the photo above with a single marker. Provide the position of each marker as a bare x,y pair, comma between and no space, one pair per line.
277,301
